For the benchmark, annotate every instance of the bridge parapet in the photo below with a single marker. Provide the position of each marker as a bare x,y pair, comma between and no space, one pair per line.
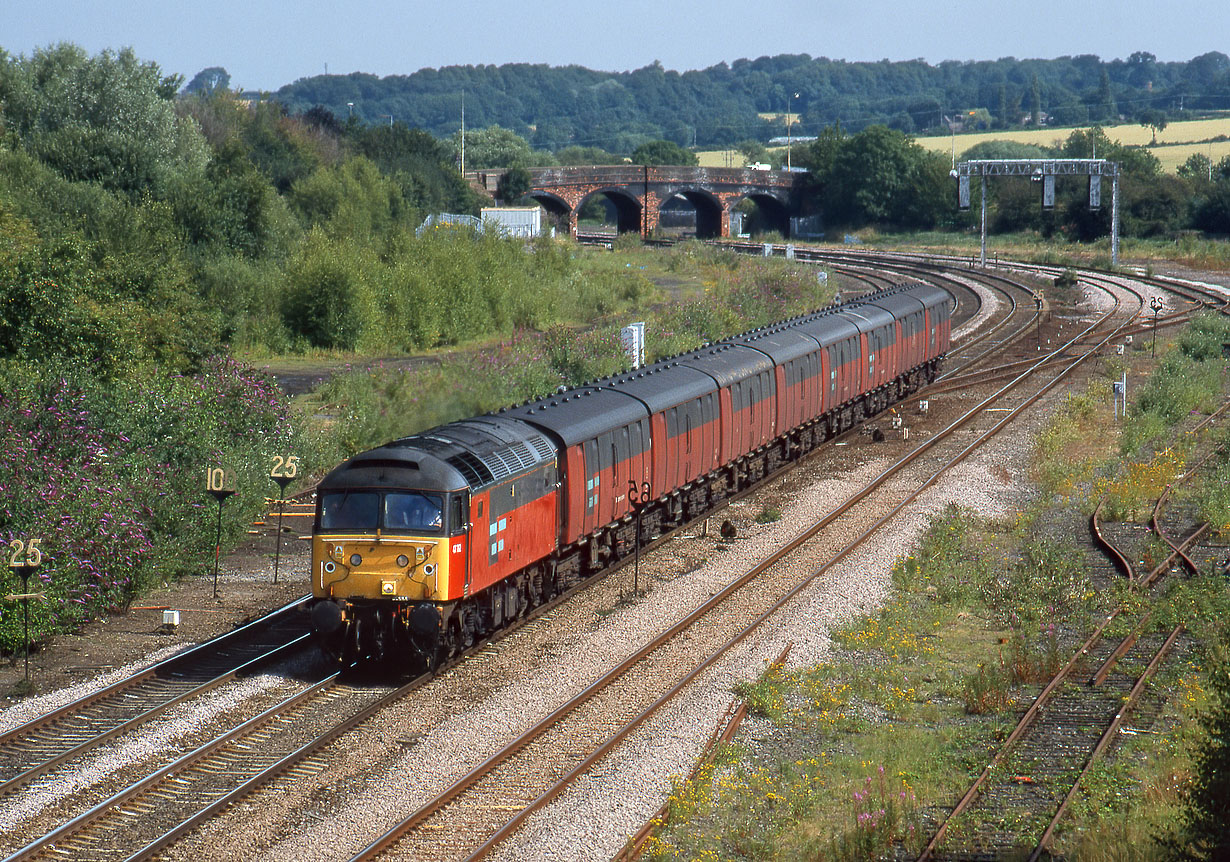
668,174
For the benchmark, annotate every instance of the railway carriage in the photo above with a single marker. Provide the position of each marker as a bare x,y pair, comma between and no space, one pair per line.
431,542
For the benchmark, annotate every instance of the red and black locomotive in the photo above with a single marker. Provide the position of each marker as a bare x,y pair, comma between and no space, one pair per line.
431,542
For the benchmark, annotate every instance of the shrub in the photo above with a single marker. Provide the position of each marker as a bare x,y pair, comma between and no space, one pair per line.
110,476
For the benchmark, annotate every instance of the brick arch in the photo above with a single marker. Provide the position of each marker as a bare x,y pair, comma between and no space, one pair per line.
629,209
774,210
641,190
558,209
712,216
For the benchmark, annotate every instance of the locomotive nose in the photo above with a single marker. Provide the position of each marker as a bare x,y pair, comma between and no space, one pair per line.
327,617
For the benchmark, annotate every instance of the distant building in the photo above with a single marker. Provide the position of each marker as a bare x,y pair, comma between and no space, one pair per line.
525,222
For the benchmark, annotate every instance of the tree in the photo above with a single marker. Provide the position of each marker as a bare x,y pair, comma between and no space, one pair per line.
209,81
1103,107
880,176
494,147
109,119
1198,167
753,152
663,153
513,184
1035,103
1154,119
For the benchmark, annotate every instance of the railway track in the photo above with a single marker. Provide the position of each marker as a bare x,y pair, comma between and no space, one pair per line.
1040,766
566,743
1074,720
148,815
57,739
84,832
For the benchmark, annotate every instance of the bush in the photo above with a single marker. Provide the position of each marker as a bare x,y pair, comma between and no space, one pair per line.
110,476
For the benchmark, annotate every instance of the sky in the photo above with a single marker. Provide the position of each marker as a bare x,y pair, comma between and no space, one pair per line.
264,44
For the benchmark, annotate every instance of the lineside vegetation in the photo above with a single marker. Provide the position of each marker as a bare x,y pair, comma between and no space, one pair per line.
851,759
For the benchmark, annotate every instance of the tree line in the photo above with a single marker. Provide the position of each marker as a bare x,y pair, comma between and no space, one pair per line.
566,106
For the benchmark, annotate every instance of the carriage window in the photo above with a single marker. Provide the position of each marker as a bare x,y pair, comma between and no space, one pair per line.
411,510
349,510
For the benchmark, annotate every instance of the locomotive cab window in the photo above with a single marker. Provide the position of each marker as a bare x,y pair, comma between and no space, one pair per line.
413,511
457,520
349,510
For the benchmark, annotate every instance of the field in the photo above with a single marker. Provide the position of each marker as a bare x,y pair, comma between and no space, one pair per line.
1175,143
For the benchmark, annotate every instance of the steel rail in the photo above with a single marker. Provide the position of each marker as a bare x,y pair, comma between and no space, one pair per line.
275,770
1107,737
1164,565
723,732
165,664
33,772
121,707
112,803
1120,651
559,787
1109,548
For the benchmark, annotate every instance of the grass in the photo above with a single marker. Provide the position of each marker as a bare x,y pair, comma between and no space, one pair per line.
862,742
768,515
713,293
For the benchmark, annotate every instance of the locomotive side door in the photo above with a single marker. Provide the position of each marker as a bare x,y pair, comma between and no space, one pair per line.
460,536
477,561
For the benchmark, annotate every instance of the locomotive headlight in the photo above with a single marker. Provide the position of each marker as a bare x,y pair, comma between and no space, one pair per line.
403,561
355,560
387,588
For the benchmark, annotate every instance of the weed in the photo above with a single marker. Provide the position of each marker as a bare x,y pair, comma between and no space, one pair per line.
987,690
768,515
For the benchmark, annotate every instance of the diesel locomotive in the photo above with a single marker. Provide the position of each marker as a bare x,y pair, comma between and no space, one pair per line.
431,542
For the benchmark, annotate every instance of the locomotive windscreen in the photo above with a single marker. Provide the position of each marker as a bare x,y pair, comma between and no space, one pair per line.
410,511
350,510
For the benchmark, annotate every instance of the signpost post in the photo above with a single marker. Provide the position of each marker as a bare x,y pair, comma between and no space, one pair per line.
24,558
221,484
283,472
1157,305
638,497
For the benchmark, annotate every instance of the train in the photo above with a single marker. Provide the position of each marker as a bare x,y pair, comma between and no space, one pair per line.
433,542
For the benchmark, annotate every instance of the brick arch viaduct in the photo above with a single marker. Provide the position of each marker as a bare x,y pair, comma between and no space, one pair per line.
639,193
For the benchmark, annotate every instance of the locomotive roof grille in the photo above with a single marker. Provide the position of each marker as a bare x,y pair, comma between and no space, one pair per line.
542,447
471,469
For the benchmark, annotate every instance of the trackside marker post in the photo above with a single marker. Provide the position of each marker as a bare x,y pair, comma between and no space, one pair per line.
23,558
283,471
220,483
